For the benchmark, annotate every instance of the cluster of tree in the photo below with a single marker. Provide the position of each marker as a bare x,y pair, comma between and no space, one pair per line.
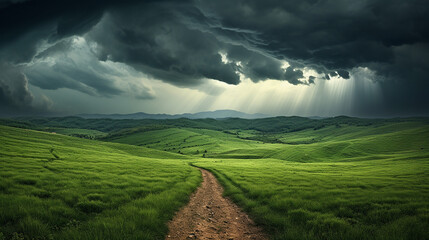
80,135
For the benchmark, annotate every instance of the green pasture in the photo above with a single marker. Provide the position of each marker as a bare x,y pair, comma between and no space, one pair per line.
355,183
337,178
60,187
383,199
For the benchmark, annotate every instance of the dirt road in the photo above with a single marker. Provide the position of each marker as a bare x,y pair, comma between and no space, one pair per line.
208,215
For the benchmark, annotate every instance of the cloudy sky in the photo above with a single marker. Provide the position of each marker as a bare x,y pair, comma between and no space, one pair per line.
367,58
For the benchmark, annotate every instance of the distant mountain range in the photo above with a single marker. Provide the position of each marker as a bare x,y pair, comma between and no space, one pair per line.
211,114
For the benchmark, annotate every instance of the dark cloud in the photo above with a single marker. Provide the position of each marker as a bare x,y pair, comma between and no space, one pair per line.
75,66
44,20
24,23
69,17
258,66
293,75
182,45
388,37
186,42
30,26
405,81
344,74
155,41
14,86
15,98
327,77
333,33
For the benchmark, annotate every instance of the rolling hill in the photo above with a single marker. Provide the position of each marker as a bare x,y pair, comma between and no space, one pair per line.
299,178
210,114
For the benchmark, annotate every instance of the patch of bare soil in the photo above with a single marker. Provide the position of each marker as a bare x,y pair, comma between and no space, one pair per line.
209,215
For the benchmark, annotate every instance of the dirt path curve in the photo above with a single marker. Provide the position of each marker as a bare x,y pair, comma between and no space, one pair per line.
208,215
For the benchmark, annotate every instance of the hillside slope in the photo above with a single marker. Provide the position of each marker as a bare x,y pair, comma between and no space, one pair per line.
332,143
60,187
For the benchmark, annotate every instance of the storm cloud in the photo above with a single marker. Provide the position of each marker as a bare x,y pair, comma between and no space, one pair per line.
102,48
72,63
15,97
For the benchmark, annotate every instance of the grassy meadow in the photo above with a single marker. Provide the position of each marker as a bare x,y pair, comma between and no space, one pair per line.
346,182
60,187
383,199
336,178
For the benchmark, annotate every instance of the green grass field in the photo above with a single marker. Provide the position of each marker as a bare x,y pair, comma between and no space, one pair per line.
60,187
339,178
353,182
384,199
186,140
